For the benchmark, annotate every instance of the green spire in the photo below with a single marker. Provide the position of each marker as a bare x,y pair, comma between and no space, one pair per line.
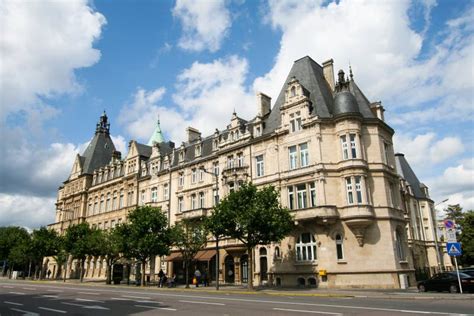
157,136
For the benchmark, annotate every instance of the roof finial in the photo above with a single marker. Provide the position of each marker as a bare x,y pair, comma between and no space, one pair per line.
350,72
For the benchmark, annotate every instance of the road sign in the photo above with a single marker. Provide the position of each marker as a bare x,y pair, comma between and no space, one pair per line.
451,235
448,223
453,248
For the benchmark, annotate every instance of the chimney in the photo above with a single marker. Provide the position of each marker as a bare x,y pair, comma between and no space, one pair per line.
263,104
193,134
377,110
328,71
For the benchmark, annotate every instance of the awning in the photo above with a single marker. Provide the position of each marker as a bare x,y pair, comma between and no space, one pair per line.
202,255
205,255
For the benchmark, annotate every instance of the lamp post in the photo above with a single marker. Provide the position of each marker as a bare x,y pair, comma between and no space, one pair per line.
216,201
435,236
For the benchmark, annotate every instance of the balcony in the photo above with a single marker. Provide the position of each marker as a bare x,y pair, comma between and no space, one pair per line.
236,171
322,214
193,214
358,218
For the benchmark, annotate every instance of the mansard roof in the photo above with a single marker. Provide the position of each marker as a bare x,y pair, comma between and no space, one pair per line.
405,171
99,151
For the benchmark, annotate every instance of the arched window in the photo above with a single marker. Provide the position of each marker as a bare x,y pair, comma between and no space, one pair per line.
293,91
399,245
312,282
277,252
306,247
301,281
263,251
339,247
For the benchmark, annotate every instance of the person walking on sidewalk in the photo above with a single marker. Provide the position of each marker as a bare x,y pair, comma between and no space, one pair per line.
197,275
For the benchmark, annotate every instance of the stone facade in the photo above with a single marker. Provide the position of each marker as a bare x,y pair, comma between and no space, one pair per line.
322,144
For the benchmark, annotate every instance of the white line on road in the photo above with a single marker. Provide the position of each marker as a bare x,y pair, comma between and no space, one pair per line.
53,310
199,302
86,306
88,300
18,293
25,313
305,311
8,287
29,288
48,296
119,299
12,303
138,297
149,302
88,293
54,291
155,307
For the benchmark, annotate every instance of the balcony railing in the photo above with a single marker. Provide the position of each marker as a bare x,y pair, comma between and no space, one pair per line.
235,170
191,214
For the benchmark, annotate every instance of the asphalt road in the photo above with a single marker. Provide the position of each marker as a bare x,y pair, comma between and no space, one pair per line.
35,298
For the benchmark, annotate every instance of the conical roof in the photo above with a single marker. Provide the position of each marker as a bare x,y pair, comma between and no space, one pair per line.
157,136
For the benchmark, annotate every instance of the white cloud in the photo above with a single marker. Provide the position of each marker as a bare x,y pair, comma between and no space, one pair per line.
41,45
25,210
456,183
205,24
425,150
376,38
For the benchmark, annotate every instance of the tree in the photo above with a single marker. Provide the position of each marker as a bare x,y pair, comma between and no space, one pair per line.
255,217
82,241
111,249
44,243
216,225
454,212
146,235
189,237
11,238
467,238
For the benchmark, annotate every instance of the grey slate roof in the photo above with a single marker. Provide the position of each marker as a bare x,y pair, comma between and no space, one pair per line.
143,150
345,102
405,171
98,154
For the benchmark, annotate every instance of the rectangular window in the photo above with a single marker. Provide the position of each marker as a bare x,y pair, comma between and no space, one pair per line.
193,202
358,189
154,195
201,199
166,192
107,203
259,165
215,193
291,198
386,149
304,155
112,223
230,162
194,176
344,146
142,198
231,186
121,200
312,194
114,201
293,157
201,175
301,194
240,160
352,137
216,168
180,204
392,195
350,195
295,122
181,180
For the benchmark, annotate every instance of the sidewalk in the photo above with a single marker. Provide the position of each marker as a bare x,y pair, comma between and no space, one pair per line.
411,293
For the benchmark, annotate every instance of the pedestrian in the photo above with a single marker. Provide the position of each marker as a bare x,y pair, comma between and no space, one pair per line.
49,273
160,275
204,278
197,275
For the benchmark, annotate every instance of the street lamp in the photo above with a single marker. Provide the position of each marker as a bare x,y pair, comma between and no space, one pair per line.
435,236
216,201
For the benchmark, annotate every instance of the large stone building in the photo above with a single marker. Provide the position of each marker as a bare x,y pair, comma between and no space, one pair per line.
322,144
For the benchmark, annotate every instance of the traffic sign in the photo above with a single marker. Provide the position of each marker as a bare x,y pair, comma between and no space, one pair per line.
448,223
451,235
453,248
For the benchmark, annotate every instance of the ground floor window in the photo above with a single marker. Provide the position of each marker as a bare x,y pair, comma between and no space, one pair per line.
306,247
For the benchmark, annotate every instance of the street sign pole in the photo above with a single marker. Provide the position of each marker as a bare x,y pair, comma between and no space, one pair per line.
457,271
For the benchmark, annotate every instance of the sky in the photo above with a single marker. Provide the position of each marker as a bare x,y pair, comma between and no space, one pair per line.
63,62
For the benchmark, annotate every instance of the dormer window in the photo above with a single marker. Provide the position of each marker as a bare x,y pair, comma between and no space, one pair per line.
295,121
215,144
293,91
181,155
198,150
258,131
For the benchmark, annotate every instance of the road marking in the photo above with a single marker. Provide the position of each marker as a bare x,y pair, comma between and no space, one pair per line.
53,310
73,304
119,299
305,311
88,293
25,313
88,300
18,293
48,296
149,302
29,288
138,297
86,306
199,302
8,287
12,303
156,307
55,291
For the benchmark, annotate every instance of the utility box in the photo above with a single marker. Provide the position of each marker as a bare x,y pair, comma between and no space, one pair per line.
322,272
403,281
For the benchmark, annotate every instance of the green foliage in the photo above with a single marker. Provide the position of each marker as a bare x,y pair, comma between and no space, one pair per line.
44,242
111,248
9,238
81,241
189,237
454,212
255,217
467,238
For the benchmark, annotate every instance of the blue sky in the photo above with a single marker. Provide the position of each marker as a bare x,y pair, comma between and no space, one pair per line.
194,62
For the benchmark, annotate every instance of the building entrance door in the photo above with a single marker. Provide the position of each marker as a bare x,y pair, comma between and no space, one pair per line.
229,269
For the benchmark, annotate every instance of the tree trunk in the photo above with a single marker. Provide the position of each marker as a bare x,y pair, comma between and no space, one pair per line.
29,270
186,269
81,270
65,270
217,262
250,281
143,273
